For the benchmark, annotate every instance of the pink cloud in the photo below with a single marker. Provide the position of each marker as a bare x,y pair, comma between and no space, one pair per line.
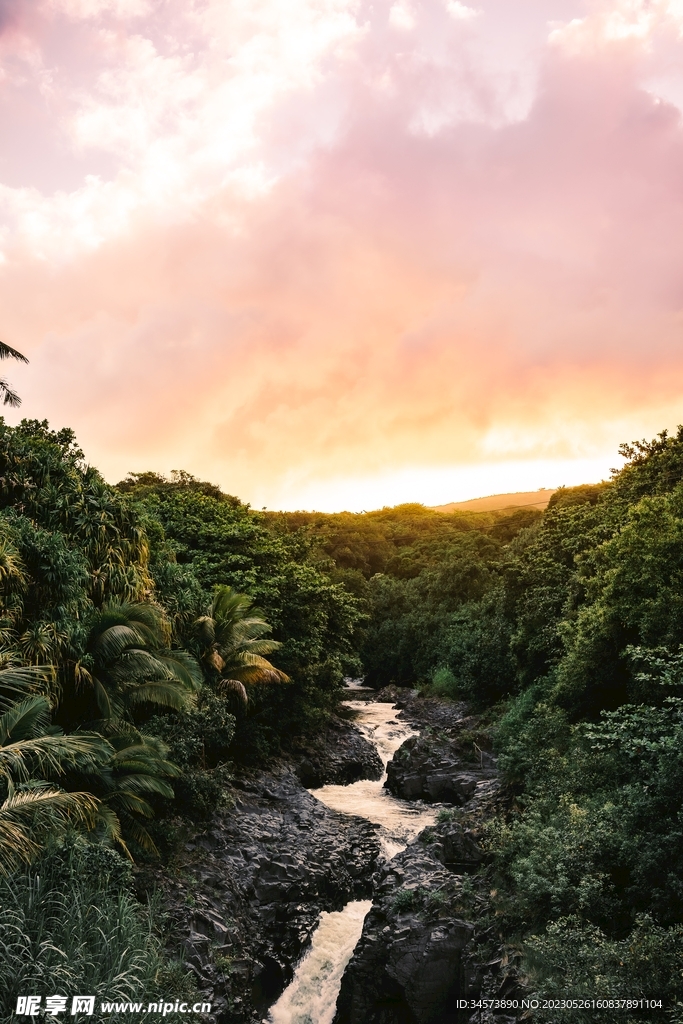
388,257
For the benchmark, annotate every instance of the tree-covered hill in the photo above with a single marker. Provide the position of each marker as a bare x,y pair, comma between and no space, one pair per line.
569,639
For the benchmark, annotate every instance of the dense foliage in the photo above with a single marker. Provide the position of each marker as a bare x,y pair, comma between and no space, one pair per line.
201,539
571,633
154,634
423,578
150,636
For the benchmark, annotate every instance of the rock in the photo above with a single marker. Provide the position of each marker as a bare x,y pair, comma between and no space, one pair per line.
407,966
340,755
430,767
425,711
248,889
455,848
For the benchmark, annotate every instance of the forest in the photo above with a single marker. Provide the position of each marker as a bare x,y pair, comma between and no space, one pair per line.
159,635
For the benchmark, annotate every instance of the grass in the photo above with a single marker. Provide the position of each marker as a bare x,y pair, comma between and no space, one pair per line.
71,925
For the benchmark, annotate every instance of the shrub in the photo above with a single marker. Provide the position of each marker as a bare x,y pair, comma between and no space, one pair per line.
444,683
572,960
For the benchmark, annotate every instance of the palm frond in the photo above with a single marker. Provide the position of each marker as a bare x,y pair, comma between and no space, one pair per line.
16,846
143,757
102,698
24,720
18,682
229,605
128,739
11,398
113,641
253,668
250,629
234,686
137,784
51,755
130,802
28,816
183,667
256,675
148,620
11,353
137,832
108,826
164,692
260,647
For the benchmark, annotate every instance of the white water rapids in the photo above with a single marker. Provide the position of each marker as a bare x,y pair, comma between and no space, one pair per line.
311,997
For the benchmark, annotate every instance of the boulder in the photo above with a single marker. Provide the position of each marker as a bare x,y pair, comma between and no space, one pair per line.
430,768
340,755
421,711
408,965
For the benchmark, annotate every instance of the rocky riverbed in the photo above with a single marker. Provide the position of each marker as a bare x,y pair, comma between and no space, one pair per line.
407,965
429,939
246,891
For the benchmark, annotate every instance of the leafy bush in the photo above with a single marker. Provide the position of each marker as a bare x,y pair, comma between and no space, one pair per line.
199,741
573,960
444,683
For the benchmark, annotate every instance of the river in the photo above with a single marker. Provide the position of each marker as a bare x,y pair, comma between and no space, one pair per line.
311,997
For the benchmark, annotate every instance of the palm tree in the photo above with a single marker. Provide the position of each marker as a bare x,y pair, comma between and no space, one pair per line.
120,772
137,769
10,396
29,817
233,639
128,663
18,682
32,753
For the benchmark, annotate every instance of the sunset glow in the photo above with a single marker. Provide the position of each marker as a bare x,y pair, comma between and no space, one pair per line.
337,254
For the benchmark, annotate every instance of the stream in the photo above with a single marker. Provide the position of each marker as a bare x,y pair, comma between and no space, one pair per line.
311,997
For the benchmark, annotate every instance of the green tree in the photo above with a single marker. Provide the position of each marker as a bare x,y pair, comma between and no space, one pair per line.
234,642
129,667
633,583
33,756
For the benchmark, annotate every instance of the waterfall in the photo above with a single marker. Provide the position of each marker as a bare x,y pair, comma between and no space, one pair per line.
311,997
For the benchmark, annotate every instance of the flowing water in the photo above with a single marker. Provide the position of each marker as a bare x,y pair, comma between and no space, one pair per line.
400,821
311,996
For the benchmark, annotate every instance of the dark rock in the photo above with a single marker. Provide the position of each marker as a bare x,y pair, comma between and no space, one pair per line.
248,889
455,848
430,768
425,711
341,755
407,966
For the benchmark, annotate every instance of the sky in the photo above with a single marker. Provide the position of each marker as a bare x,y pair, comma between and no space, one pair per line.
341,254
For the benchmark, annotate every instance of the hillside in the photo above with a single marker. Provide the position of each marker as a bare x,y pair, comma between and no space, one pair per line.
518,499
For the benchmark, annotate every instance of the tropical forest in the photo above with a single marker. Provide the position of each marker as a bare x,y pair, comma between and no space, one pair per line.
175,671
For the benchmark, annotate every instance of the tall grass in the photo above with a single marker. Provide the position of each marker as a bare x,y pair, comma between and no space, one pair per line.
71,926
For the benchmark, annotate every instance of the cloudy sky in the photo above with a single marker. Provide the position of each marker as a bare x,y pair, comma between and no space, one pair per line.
337,253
